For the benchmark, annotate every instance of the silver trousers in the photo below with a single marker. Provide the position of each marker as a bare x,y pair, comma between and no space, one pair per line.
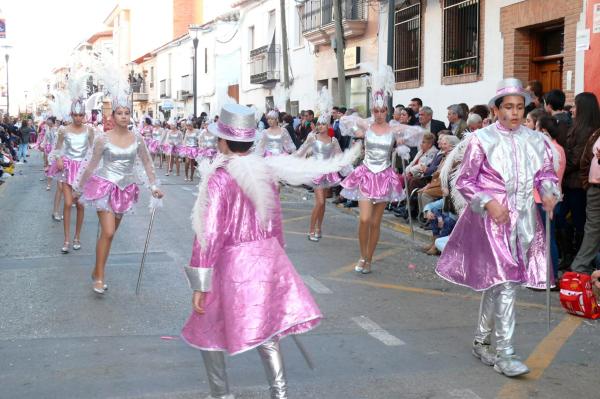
497,316
272,360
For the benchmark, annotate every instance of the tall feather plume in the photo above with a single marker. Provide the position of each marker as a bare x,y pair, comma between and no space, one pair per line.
113,79
60,106
280,97
324,105
380,78
220,98
77,84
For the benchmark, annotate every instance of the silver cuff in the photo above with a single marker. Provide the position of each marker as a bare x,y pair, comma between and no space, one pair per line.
479,201
549,188
153,187
199,278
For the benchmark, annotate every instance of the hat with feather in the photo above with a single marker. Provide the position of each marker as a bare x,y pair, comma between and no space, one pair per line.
382,82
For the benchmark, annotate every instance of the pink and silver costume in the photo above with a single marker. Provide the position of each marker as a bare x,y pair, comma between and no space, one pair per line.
207,145
147,134
156,141
173,142
72,148
275,144
190,144
503,165
109,180
321,151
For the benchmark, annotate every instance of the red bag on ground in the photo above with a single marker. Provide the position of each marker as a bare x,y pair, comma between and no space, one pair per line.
577,297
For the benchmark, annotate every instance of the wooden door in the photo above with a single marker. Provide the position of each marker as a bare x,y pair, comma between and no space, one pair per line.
549,73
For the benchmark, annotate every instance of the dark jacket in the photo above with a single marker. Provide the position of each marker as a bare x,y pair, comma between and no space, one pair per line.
586,159
292,132
344,141
25,133
437,126
576,143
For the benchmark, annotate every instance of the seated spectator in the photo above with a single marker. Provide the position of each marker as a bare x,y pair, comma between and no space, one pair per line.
428,123
408,117
456,123
474,122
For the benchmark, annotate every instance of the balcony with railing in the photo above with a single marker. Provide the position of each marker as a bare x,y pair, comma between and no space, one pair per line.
186,86
264,64
318,23
139,90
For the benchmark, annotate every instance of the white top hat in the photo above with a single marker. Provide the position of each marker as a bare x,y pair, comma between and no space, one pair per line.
236,123
510,87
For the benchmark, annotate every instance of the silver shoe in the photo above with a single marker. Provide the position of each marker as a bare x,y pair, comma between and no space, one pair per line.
359,265
318,234
366,268
65,248
510,366
76,245
484,352
98,290
56,217
313,237
105,286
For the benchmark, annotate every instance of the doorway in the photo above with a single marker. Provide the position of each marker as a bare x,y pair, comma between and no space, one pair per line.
547,53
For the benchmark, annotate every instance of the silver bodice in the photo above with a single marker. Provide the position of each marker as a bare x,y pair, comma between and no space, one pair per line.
51,136
378,149
274,144
208,140
191,139
174,137
76,145
321,150
118,164
157,134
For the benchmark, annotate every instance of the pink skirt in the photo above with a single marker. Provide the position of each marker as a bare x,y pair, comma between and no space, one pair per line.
326,181
206,152
257,295
190,152
362,185
104,195
172,149
47,148
154,146
69,172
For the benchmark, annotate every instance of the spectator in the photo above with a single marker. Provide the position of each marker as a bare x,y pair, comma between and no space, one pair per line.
24,136
533,116
481,110
428,123
287,125
415,104
587,121
457,124
408,117
396,116
534,87
590,176
465,111
474,122
344,141
306,126
554,105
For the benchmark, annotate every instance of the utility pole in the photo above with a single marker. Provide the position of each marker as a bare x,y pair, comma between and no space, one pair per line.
339,52
284,49
390,47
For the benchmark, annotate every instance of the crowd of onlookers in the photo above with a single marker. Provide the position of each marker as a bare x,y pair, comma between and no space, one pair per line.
15,140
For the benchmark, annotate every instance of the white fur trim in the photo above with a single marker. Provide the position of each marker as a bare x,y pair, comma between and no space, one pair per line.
205,169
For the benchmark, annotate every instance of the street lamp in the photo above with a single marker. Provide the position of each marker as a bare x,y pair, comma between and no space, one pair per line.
195,29
6,56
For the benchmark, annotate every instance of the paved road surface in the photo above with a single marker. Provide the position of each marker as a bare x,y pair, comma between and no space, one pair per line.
400,332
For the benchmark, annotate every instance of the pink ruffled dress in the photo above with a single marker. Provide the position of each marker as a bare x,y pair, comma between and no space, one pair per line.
72,148
375,179
109,179
207,146
253,292
190,144
155,142
321,151
173,144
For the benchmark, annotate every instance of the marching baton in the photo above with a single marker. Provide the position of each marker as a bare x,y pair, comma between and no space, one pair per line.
137,287
304,352
548,267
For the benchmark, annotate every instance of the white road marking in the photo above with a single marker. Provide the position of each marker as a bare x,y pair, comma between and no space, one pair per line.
377,332
463,394
315,285
186,188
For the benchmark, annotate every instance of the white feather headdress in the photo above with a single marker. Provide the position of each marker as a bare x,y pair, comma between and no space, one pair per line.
114,82
220,98
77,88
324,105
60,106
382,82
280,97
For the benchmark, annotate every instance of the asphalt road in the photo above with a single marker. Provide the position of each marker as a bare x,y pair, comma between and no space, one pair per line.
400,332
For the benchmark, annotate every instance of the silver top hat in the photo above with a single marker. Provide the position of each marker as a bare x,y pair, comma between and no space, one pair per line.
236,123
510,87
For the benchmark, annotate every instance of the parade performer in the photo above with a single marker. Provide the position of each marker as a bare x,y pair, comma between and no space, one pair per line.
155,146
275,140
321,146
172,145
108,180
247,293
374,182
147,130
207,142
190,150
498,240
72,144
47,145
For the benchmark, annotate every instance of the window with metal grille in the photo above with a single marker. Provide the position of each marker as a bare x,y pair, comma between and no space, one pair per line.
317,13
461,37
407,41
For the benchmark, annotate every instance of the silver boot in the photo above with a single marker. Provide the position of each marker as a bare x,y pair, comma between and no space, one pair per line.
214,362
510,365
273,363
484,352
